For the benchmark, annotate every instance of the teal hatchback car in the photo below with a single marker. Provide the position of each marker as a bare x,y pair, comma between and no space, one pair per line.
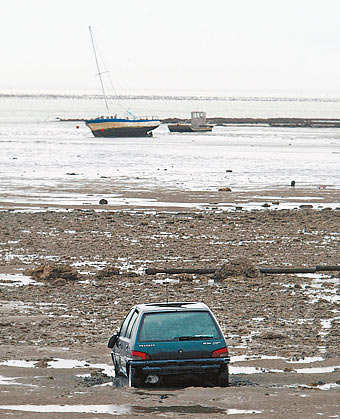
160,340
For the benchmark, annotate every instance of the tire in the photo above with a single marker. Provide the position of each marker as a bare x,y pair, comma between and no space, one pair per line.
135,380
222,379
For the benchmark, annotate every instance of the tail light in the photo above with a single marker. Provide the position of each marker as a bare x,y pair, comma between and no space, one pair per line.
220,353
139,356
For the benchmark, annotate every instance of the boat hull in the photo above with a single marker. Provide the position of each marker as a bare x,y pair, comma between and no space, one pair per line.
122,127
188,128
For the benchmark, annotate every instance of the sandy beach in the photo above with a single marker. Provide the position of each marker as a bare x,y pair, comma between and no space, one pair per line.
282,330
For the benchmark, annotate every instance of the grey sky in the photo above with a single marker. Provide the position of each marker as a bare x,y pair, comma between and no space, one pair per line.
173,46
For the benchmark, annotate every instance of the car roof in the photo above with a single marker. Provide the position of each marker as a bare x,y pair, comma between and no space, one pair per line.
171,306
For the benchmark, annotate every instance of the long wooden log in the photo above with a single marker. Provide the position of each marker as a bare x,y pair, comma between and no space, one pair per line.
154,271
287,270
327,267
300,270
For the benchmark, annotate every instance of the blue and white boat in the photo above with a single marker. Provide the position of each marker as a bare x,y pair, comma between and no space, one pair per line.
109,126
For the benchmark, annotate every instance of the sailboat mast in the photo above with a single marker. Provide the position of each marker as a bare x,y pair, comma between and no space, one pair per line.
99,73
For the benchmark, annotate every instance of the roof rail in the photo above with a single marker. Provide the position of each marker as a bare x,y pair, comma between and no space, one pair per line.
170,304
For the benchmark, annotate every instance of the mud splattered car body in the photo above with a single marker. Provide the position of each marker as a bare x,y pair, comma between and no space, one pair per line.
170,339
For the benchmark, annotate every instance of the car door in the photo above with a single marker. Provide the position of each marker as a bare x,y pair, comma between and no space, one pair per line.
120,344
127,341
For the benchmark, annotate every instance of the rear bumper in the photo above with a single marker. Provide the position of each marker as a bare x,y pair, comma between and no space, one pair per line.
181,366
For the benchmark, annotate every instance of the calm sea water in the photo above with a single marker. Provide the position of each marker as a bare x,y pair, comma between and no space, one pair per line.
38,152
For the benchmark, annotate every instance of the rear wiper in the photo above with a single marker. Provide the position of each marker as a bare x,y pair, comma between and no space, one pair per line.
195,337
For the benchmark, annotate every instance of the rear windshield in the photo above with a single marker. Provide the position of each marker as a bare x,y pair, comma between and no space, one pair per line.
178,325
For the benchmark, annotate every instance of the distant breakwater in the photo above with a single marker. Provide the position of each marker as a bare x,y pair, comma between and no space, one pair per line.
272,122
53,96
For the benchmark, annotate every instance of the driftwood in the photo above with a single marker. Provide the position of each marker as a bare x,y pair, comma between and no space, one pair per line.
327,267
317,268
287,270
154,271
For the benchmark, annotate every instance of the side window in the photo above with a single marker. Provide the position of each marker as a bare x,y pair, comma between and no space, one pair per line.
125,324
131,324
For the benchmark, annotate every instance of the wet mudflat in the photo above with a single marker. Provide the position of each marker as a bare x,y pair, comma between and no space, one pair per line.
58,393
282,330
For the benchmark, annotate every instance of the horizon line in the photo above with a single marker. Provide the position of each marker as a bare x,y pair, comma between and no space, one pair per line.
227,98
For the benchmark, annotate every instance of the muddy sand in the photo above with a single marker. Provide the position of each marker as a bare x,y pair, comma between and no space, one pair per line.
282,330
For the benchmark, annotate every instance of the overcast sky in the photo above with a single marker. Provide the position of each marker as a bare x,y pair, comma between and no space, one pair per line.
288,47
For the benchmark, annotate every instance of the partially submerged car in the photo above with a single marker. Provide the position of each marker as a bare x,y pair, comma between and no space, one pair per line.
170,339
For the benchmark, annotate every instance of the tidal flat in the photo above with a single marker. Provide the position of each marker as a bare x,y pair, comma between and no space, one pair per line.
282,330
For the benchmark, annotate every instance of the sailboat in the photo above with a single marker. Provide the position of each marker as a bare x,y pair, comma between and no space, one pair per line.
111,126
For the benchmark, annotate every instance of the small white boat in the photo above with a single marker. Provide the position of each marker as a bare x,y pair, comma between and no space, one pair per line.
198,123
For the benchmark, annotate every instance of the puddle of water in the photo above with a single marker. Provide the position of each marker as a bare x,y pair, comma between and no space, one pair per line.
315,295
29,258
241,358
16,280
166,281
258,319
321,280
54,408
326,323
317,370
72,363
16,305
122,410
5,381
242,412
257,370
330,298
306,360
315,289
87,281
18,363
328,386
249,370
60,363
108,369
245,340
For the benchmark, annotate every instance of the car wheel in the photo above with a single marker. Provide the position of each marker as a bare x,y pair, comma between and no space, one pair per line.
135,380
222,378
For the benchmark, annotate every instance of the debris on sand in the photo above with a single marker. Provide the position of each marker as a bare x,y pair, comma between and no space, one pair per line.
236,268
43,363
97,377
59,274
237,381
185,277
108,272
271,334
